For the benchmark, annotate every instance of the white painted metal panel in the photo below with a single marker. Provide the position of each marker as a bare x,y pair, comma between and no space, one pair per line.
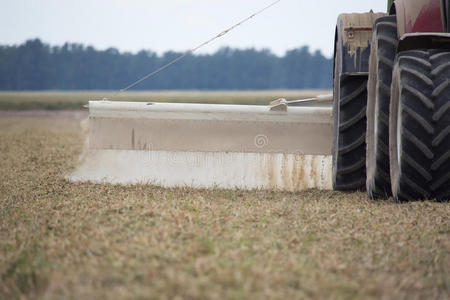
203,145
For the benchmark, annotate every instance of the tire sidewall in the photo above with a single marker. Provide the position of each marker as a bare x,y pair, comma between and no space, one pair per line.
394,108
336,97
371,115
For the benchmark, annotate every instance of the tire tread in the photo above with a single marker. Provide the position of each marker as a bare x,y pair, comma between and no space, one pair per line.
350,169
384,45
424,102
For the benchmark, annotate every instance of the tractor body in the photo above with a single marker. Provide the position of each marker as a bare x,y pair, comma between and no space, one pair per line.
389,125
391,120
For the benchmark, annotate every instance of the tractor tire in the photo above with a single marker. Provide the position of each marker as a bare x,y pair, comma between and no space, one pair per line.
419,126
349,130
382,56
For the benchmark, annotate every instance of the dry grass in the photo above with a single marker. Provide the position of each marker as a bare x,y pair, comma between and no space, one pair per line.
59,239
57,100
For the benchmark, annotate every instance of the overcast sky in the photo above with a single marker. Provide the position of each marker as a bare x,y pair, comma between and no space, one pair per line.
160,25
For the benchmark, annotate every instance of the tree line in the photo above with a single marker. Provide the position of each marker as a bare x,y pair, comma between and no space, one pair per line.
35,65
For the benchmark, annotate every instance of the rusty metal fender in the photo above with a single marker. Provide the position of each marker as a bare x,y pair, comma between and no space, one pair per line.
353,35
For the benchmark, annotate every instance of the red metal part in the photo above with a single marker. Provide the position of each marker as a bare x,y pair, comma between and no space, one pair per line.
428,20
415,16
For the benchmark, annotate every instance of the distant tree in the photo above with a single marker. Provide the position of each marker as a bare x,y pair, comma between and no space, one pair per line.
37,66
7,59
31,66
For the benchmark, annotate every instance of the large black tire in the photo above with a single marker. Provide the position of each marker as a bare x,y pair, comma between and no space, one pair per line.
419,126
382,56
349,130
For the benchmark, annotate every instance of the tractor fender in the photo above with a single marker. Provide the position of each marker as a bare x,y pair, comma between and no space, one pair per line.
353,35
412,41
419,16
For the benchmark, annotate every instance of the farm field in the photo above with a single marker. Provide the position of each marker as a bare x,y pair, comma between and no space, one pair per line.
64,240
74,100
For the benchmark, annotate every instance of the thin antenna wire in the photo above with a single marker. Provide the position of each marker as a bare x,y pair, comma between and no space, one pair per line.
190,51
